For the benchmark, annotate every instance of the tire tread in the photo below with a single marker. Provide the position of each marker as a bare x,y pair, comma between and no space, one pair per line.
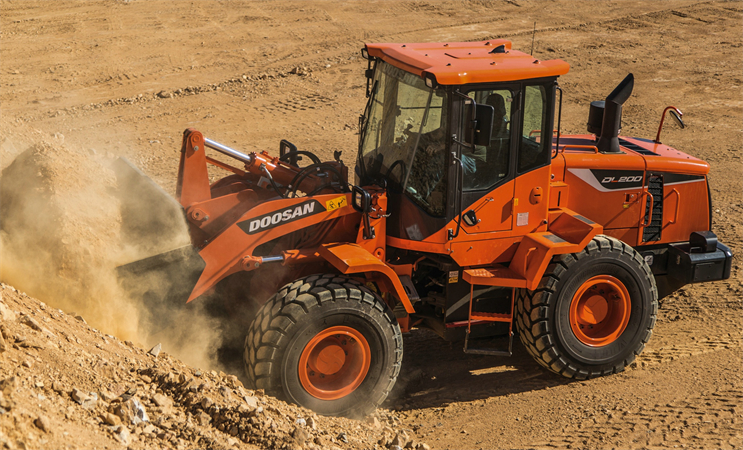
532,310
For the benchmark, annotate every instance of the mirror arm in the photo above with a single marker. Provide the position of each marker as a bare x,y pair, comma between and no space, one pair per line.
673,109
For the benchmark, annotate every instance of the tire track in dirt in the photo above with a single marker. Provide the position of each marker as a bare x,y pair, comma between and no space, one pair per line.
682,349
343,56
680,423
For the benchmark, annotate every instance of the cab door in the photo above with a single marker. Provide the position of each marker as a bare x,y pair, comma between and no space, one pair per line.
488,182
532,163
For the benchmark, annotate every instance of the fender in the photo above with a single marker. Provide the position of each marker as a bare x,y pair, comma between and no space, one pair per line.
351,258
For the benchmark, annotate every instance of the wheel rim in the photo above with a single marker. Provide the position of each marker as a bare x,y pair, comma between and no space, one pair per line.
600,311
334,363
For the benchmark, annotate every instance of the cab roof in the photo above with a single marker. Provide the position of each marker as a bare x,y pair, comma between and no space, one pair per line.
456,63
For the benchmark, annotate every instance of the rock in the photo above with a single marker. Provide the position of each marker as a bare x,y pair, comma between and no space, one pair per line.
6,333
312,423
251,401
58,387
3,345
233,382
203,418
400,439
154,351
206,403
343,438
105,396
164,94
9,385
422,446
86,399
225,392
122,434
301,422
162,400
129,393
300,435
373,422
44,424
80,319
111,419
31,323
131,412
6,314
395,447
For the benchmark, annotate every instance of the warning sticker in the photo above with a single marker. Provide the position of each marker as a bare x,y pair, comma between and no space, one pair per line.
336,203
454,276
522,219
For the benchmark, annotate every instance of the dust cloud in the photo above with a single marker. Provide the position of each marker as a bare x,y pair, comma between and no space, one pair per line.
68,218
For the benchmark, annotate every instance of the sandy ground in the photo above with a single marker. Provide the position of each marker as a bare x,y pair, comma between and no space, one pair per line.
126,77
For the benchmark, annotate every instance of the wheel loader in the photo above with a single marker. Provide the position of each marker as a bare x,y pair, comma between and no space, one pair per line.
470,214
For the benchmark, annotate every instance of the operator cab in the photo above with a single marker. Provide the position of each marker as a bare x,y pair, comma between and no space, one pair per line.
446,124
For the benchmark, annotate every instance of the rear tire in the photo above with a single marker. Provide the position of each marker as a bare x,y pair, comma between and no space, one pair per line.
327,343
593,311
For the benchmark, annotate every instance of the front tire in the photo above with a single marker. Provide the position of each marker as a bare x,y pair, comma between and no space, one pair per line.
593,311
327,343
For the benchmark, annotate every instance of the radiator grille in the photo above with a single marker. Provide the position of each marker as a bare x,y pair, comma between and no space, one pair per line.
653,231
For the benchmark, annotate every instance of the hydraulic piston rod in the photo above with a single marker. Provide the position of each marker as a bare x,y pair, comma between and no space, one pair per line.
247,159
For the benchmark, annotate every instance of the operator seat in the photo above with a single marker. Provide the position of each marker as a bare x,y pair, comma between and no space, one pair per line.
495,159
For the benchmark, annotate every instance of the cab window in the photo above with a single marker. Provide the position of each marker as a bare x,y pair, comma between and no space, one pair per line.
485,166
536,139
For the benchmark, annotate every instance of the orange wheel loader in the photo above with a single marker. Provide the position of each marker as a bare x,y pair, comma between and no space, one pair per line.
470,215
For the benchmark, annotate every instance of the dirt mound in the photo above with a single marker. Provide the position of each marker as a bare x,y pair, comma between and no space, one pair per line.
62,381
60,227
62,235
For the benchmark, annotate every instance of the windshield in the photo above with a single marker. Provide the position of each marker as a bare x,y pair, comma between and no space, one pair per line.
403,136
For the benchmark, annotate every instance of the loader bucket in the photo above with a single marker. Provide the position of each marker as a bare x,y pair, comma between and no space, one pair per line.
164,279
153,223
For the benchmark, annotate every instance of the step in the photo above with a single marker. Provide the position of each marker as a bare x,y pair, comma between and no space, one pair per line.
490,317
496,275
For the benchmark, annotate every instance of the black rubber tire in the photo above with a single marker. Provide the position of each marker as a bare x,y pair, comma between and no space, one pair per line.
298,312
542,315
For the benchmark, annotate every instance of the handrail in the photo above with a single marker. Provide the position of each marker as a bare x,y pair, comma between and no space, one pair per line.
554,132
579,147
678,205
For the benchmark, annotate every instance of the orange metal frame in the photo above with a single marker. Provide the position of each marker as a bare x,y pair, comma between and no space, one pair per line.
541,213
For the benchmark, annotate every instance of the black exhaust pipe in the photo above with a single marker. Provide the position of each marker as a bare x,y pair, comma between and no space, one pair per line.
611,122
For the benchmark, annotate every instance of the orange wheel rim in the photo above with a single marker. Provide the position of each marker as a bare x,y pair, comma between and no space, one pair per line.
334,363
600,311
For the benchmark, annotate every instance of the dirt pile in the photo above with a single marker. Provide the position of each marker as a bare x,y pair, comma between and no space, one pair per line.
60,230
62,382
62,235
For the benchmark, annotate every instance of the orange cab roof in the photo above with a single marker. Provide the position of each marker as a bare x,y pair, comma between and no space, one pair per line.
457,63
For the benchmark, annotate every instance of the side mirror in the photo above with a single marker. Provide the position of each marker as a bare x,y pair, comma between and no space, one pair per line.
360,199
481,125
678,118
361,202
287,147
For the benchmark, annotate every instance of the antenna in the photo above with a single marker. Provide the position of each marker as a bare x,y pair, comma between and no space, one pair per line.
533,34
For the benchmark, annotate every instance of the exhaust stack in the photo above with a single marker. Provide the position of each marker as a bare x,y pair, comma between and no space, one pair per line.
611,123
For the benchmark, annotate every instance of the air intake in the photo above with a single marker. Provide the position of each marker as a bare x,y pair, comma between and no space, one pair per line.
611,123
